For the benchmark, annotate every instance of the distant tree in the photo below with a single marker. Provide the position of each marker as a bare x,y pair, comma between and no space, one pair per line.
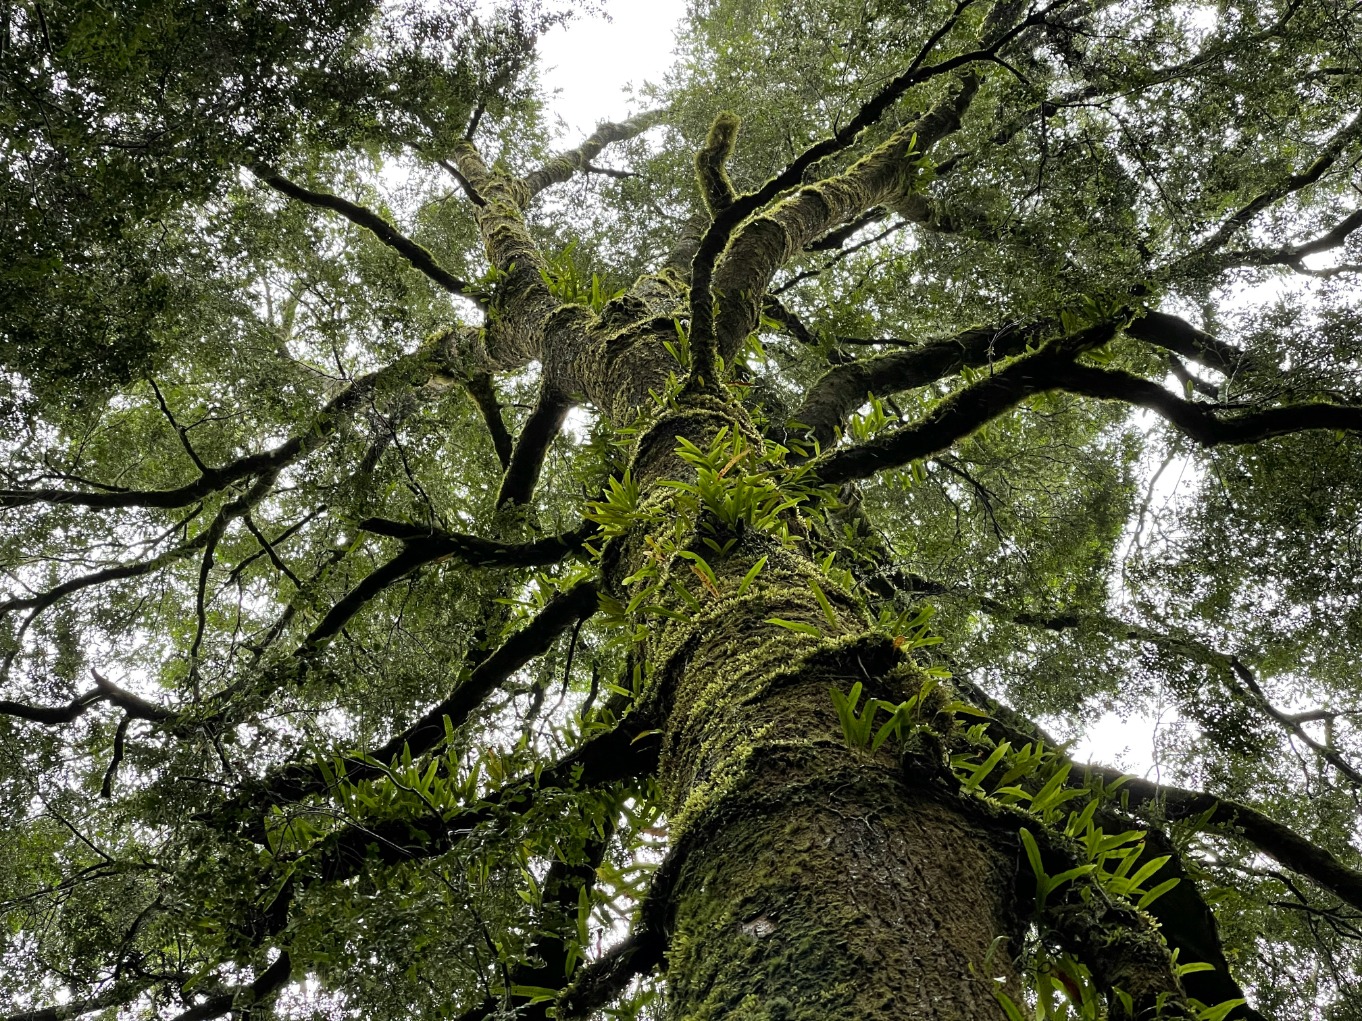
447,579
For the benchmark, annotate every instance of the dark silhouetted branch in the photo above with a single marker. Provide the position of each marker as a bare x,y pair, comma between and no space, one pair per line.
966,410
419,257
1278,842
484,394
307,439
527,459
1173,333
1329,155
242,998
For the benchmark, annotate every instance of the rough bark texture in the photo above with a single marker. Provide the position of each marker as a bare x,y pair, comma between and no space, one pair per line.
810,881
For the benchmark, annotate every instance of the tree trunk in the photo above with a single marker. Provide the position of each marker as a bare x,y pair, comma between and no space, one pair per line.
809,880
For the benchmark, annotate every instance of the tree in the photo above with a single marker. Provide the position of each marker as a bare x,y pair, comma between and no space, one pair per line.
444,578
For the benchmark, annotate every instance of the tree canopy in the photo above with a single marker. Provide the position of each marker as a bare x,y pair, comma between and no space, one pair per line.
445,574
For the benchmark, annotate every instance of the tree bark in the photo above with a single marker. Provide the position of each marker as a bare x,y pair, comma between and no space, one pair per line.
807,880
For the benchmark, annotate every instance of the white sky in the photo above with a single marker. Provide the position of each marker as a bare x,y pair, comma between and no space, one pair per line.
592,63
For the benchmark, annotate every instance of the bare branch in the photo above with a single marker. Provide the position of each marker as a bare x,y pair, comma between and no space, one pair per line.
484,394
527,459
1294,255
1328,156
960,414
323,424
420,258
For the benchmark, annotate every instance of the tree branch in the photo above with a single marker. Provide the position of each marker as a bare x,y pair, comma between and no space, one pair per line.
1293,255
1328,156
578,160
117,995
1278,842
717,236
1173,333
958,415
105,690
843,389
963,412
1205,425
484,394
242,998
419,257
323,424
294,782
527,458
617,755
726,295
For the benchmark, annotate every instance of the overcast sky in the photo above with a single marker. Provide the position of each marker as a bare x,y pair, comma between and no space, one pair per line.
592,61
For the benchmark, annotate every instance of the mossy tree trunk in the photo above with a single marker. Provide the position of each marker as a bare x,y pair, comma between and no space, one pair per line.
809,880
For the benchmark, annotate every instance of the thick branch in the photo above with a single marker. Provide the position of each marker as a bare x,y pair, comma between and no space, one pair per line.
1203,424
1293,255
731,298
1173,333
380,578
104,691
963,412
957,416
527,459
484,552
578,160
715,188
134,705
716,238
484,394
617,755
52,715
1278,842
843,389
116,995
522,301
242,998
423,545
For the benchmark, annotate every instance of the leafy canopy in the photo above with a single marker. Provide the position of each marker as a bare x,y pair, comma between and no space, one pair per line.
316,688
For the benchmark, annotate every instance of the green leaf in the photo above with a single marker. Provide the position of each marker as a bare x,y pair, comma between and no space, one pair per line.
1220,1011
795,625
751,575
823,602
1150,896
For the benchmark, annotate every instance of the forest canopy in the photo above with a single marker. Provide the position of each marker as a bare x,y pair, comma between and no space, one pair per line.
450,572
